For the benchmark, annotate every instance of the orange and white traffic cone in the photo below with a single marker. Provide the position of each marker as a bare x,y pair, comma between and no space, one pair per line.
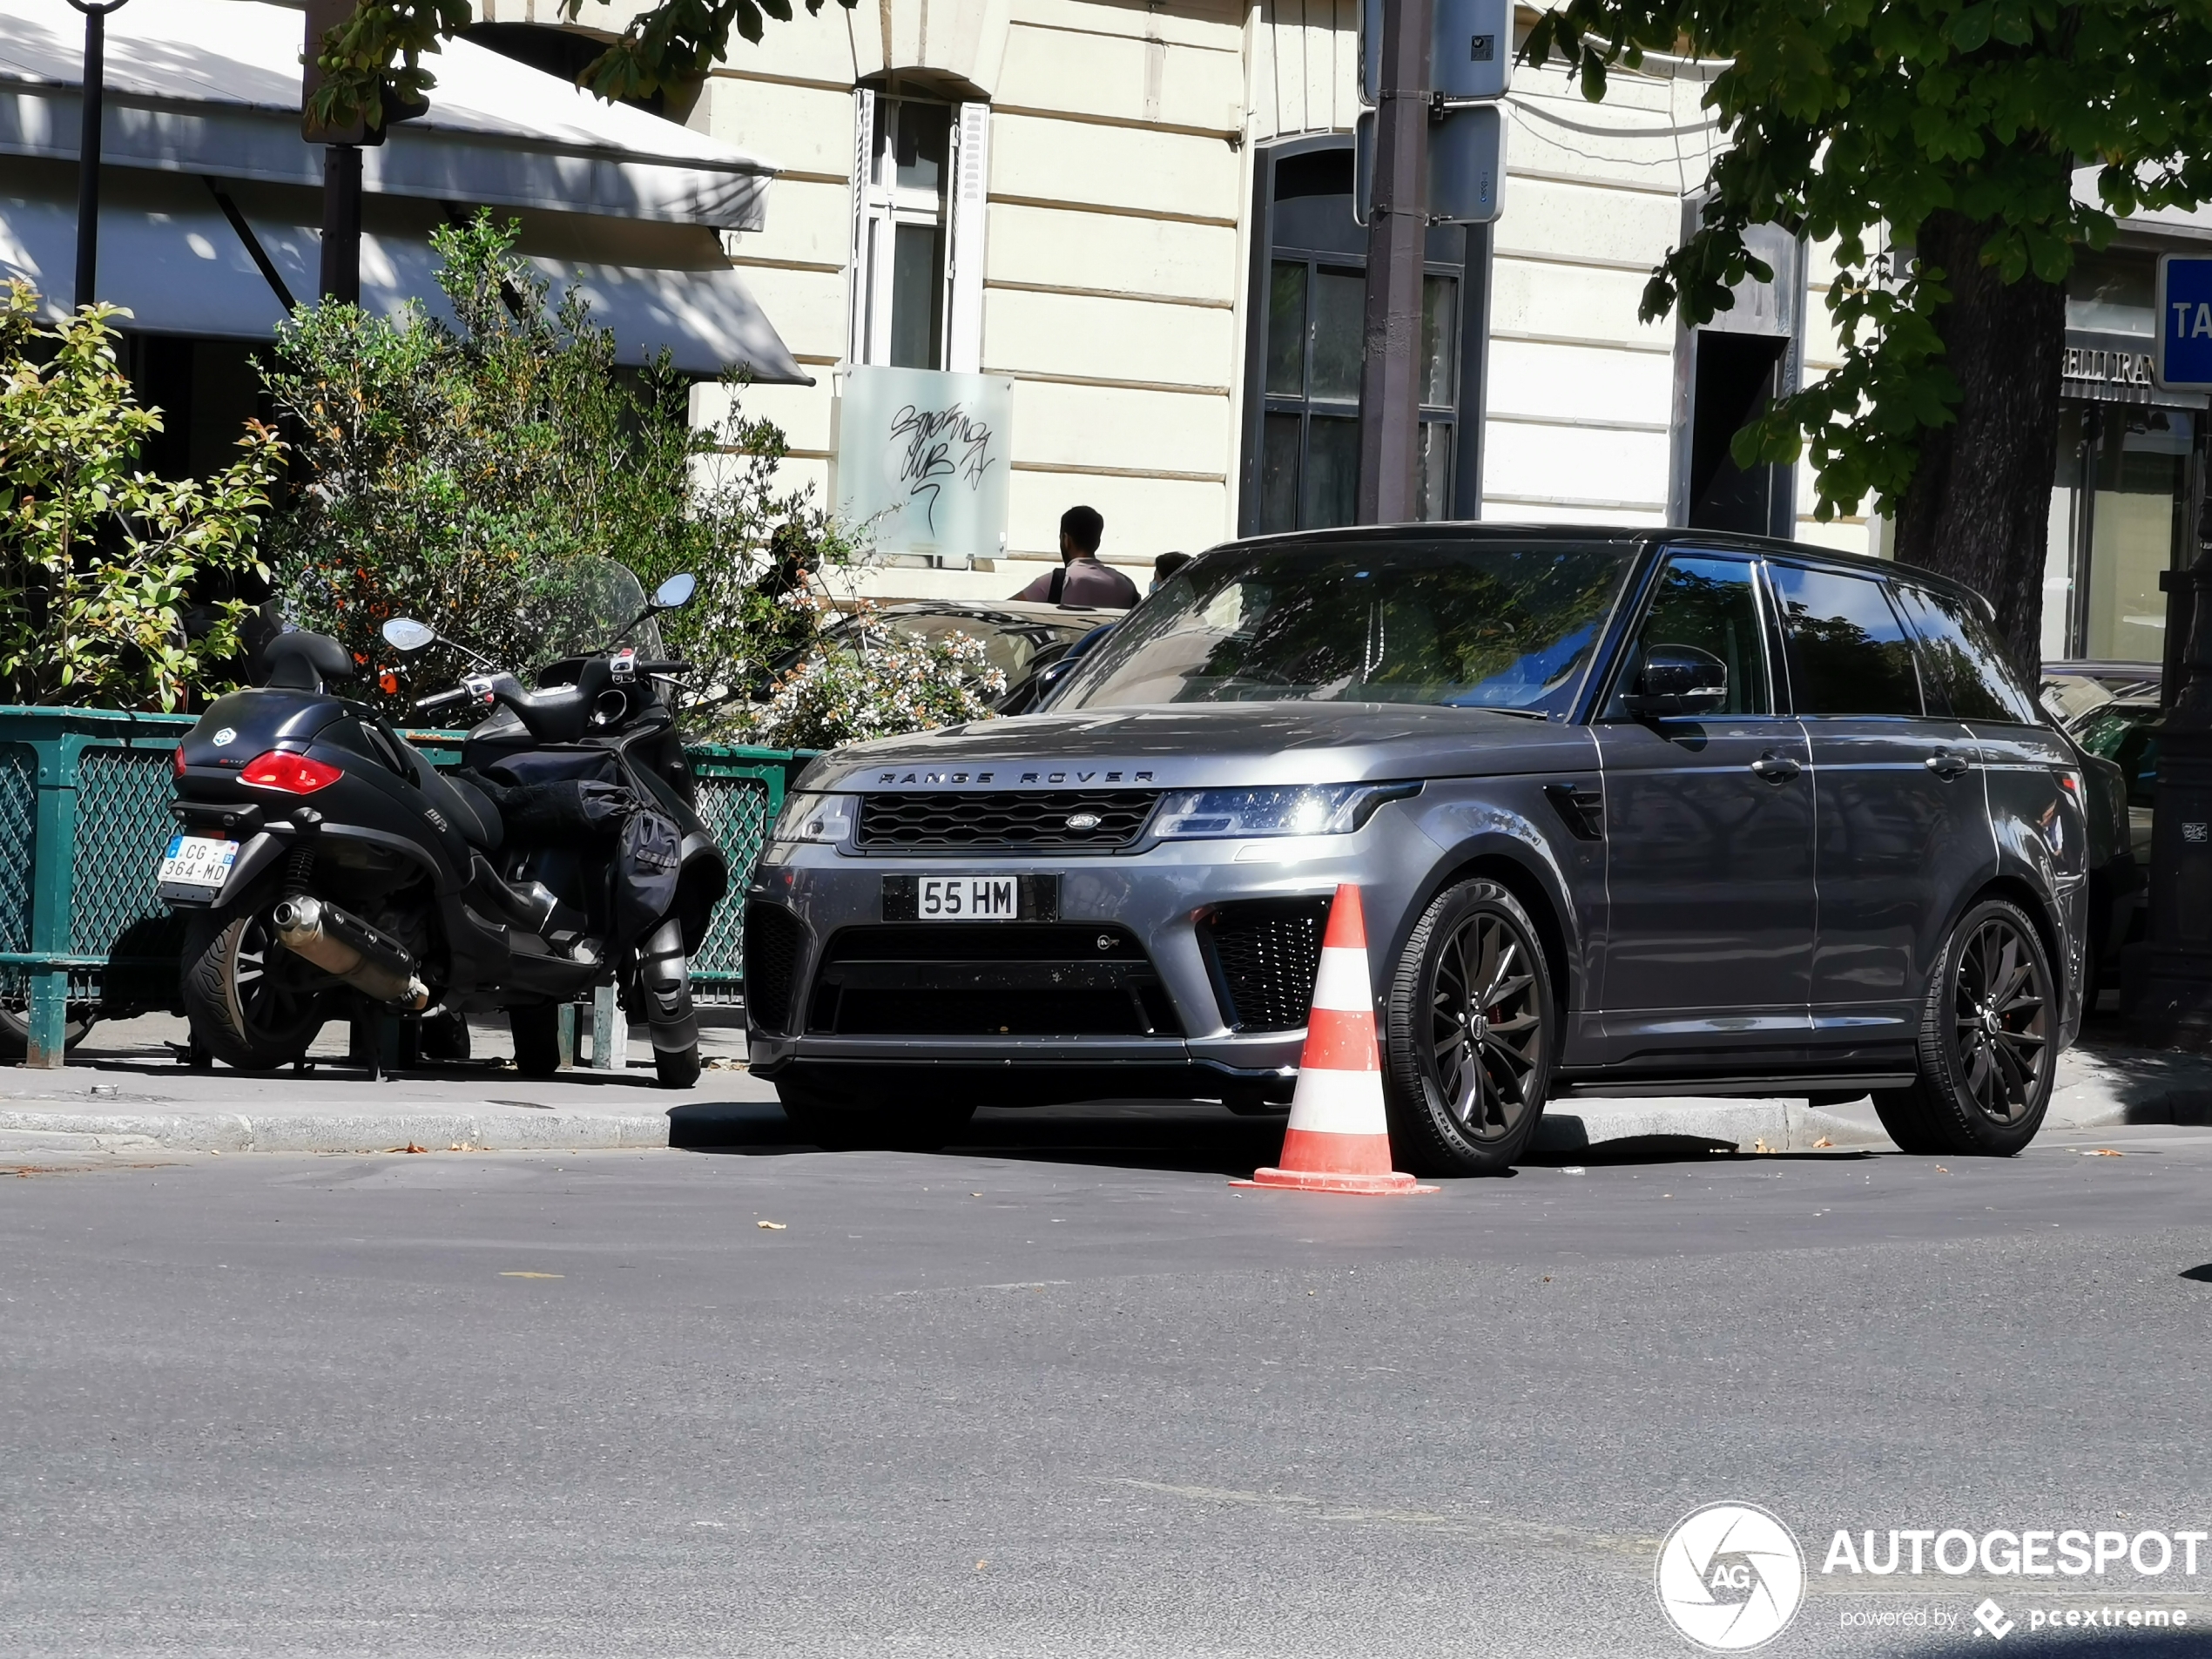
1338,1138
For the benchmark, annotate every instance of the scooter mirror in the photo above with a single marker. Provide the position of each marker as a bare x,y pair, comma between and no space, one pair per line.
676,592
404,633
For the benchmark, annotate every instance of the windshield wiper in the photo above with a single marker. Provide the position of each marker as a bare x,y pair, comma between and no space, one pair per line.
1518,714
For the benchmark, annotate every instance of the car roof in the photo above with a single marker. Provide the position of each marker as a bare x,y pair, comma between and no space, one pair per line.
1639,537
1008,613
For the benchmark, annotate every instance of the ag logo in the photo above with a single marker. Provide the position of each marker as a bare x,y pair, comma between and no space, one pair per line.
1731,1577
225,736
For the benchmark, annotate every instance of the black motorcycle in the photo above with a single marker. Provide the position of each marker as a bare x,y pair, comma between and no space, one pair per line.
328,869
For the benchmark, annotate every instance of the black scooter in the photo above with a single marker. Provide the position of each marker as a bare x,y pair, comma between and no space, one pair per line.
328,869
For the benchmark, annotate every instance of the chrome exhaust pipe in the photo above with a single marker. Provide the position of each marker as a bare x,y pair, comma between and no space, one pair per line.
346,945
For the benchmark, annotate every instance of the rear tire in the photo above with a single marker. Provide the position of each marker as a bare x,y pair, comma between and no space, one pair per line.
15,1029
1988,1043
838,1120
664,988
537,1039
1467,1039
252,1004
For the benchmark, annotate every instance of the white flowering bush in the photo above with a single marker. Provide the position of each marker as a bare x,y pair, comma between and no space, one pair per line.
871,683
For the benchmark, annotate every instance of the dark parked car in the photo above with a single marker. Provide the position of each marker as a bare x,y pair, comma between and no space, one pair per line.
1020,640
2112,713
1631,813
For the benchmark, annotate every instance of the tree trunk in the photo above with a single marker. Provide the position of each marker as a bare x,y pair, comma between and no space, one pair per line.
1979,508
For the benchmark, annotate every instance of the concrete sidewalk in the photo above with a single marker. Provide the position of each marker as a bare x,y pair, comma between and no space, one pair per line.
124,1091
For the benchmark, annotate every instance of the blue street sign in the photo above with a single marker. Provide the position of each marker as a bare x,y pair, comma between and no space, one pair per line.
2184,355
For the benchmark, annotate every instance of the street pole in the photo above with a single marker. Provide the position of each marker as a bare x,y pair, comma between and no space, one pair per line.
1397,248
341,223
2167,981
88,150
341,160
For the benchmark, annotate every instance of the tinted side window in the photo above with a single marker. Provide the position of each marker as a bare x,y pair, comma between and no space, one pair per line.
1712,604
1964,659
1849,654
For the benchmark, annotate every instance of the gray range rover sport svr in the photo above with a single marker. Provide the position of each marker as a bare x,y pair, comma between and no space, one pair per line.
1631,813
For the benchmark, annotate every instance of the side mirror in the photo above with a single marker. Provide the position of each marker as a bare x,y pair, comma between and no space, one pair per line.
404,633
1677,680
676,593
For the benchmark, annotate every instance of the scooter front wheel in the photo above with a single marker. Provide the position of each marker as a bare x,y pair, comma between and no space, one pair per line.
251,1003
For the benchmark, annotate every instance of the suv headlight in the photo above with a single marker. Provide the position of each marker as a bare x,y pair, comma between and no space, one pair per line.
1288,809
809,817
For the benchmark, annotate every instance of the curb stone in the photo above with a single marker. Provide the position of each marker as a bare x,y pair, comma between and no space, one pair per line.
356,1132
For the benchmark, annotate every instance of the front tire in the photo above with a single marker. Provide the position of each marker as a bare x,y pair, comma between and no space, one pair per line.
1467,1043
536,1032
1988,1043
252,1004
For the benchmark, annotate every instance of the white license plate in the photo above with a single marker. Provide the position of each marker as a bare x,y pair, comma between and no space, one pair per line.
200,861
968,898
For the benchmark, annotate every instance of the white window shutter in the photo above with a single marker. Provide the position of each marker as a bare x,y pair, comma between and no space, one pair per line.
858,278
964,264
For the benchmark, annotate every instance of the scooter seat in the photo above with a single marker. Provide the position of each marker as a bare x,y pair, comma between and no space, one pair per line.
470,809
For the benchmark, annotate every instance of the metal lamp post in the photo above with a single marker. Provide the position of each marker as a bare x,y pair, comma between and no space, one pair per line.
88,149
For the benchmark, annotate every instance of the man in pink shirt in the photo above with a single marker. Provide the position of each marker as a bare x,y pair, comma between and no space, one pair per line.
1081,579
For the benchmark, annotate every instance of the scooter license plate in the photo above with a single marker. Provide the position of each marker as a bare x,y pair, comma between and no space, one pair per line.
195,866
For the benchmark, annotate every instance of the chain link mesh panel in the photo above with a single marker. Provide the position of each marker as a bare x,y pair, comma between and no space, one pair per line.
122,825
736,811
18,825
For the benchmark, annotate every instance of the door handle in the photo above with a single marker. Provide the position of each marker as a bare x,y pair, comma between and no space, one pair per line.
1947,765
1774,768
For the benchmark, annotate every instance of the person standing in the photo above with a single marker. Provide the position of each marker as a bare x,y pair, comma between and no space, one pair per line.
1082,578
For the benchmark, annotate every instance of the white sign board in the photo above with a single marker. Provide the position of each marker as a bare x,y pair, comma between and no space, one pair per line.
1470,51
921,460
1466,165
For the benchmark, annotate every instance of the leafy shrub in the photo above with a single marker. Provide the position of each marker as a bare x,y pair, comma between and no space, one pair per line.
458,474
101,563
867,682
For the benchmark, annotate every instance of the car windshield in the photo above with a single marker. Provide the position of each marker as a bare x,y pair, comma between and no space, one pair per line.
1470,625
2126,733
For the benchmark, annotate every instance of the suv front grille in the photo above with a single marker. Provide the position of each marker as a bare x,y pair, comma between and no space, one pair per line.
1032,818
772,936
988,979
1264,954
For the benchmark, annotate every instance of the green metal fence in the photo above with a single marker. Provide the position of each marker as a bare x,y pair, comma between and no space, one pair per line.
85,816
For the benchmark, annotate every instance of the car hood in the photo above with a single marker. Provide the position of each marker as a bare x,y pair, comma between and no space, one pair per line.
1185,745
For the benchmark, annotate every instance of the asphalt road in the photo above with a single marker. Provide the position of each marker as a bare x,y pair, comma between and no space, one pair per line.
1063,1391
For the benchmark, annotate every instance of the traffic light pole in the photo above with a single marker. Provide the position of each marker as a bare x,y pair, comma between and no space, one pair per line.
2166,982
1397,249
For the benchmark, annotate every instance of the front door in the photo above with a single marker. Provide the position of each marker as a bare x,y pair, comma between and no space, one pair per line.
1708,830
1904,818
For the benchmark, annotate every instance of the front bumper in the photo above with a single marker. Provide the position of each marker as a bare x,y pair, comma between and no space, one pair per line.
1157,898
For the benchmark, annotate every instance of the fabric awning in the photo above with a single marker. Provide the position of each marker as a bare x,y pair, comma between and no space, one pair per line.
212,87
182,269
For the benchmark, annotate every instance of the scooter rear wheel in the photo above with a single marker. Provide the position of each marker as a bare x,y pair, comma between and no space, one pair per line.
251,1003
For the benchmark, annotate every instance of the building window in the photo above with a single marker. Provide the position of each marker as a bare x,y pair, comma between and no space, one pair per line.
1302,427
917,255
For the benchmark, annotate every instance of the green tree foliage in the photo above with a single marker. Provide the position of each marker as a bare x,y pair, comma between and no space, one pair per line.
101,564
459,473
1951,129
373,60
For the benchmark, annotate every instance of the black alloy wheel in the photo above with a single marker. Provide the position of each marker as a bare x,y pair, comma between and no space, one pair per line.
251,1003
1988,1043
1468,1033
